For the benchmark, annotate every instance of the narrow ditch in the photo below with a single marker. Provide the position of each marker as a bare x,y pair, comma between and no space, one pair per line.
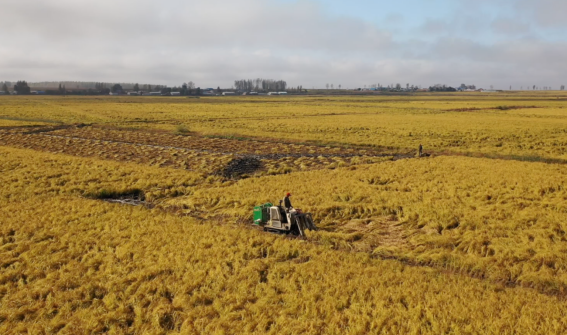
131,197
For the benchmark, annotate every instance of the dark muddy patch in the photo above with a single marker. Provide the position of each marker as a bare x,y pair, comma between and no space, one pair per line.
132,197
502,108
239,167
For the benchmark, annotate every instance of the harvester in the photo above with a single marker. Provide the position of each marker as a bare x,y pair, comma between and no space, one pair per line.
277,219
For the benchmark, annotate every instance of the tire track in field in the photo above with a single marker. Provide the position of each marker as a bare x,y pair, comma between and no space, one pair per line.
42,131
162,147
257,156
207,161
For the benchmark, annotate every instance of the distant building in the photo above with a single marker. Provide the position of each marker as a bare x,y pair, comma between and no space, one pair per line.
133,93
175,93
228,93
155,93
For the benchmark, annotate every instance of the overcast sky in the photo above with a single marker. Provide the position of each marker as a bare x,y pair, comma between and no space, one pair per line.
305,42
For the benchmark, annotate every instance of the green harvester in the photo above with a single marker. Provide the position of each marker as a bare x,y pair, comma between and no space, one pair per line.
261,214
277,219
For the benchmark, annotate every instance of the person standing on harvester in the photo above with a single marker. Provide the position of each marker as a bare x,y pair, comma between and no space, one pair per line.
287,202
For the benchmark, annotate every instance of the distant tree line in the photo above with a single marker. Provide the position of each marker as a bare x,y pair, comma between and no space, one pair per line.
442,88
389,88
260,85
21,87
544,88
5,88
467,87
102,88
83,88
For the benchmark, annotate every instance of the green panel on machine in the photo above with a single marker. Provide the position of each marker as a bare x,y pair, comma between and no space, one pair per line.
261,213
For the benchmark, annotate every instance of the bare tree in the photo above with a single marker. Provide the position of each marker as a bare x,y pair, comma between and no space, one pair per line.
191,85
340,86
248,85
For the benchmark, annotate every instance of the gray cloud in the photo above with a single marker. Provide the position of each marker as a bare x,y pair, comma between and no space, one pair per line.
508,26
547,13
213,43
435,27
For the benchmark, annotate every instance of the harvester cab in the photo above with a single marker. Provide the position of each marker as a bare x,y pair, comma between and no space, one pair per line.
276,219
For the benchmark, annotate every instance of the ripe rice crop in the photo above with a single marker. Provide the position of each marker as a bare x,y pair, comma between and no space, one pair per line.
122,215
507,225
73,265
9,122
500,126
126,152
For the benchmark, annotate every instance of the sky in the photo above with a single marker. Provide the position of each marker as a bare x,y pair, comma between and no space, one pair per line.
499,43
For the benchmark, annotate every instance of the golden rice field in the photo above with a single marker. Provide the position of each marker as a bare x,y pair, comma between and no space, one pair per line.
471,239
